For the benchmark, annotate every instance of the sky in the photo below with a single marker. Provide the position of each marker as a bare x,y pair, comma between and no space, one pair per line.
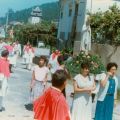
19,4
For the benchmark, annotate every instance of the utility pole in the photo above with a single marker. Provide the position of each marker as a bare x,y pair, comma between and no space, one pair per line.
6,26
91,6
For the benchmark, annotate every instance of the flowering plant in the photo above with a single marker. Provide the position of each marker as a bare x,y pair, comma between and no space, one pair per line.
96,66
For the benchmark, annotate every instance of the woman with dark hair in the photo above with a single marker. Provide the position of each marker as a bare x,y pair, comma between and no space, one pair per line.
107,93
82,102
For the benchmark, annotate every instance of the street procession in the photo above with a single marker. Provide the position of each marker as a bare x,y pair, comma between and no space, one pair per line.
59,60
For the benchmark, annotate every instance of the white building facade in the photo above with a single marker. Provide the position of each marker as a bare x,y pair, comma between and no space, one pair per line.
73,19
2,32
36,16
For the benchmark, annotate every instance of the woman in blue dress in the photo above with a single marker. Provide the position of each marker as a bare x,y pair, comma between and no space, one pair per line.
107,94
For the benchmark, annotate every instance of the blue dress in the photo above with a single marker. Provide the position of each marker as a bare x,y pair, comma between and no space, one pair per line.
104,109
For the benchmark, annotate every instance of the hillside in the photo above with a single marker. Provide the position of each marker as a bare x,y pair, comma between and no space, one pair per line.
50,12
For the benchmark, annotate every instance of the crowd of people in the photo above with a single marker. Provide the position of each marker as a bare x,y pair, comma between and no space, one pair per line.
49,103
9,54
14,50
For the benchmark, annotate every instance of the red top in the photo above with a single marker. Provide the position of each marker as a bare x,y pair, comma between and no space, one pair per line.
55,54
51,106
32,49
26,48
9,48
4,67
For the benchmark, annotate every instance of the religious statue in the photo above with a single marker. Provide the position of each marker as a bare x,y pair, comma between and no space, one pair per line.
86,35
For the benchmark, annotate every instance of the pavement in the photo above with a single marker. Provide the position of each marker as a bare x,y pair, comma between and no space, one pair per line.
19,94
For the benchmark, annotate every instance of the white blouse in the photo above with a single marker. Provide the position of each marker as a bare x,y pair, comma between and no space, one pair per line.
103,90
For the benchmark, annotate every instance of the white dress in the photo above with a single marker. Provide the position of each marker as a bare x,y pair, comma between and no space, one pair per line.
54,64
26,57
31,56
82,102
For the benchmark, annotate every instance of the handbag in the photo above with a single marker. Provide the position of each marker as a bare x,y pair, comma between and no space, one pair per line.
1,80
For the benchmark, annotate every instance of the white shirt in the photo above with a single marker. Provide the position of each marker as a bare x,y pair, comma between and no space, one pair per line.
17,47
103,90
31,53
97,78
83,82
54,64
40,72
2,45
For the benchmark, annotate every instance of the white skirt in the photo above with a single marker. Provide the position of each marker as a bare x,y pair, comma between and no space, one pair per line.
38,89
12,59
82,107
4,87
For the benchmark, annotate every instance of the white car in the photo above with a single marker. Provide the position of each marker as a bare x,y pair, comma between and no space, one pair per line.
41,44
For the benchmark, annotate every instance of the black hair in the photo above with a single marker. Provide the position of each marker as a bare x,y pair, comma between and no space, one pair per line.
110,65
71,53
43,58
60,59
4,53
58,78
85,65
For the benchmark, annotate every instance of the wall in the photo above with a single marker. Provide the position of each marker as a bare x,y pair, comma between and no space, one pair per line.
108,53
102,5
65,23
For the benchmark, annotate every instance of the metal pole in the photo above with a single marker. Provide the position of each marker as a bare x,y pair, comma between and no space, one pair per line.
91,6
37,40
6,23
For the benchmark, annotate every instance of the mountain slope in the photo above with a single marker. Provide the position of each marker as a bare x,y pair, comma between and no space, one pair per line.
50,11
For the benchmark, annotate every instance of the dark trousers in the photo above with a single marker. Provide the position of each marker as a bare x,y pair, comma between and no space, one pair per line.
93,97
1,102
10,67
64,93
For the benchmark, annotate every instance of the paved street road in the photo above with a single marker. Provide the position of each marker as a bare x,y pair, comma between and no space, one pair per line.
18,96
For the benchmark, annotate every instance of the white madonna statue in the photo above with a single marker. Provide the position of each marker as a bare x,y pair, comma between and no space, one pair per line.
86,35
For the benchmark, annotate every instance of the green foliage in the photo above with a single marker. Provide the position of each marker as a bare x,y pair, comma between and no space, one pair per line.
94,61
106,26
50,11
66,50
118,94
34,33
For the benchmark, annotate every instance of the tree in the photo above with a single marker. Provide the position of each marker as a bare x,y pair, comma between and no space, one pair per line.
10,14
106,26
50,11
35,32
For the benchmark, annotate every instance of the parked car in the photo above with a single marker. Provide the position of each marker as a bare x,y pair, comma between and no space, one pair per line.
41,44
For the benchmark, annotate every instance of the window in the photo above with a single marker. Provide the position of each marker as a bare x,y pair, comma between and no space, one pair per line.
61,15
70,12
76,9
